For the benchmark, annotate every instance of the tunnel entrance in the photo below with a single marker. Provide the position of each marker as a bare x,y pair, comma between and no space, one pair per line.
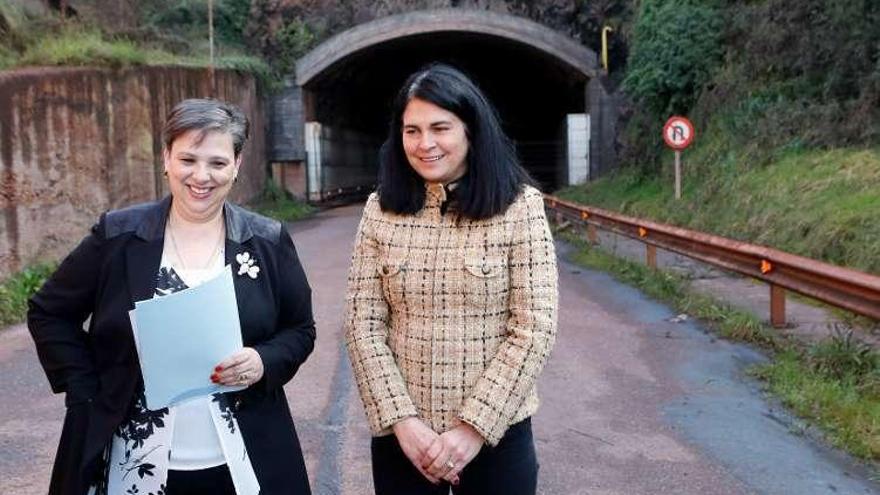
538,80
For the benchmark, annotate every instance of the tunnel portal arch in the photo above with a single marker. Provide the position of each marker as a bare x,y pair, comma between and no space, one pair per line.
331,118
503,26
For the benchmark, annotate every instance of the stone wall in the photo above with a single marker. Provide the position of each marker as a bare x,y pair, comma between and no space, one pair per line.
77,142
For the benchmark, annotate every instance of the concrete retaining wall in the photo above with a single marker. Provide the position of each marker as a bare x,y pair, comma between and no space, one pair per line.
77,142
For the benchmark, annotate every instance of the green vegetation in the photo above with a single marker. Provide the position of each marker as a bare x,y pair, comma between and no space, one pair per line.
676,46
843,407
293,41
835,384
16,290
277,203
791,75
50,41
79,46
84,47
822,204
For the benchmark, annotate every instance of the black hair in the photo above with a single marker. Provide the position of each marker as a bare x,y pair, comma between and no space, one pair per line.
494,176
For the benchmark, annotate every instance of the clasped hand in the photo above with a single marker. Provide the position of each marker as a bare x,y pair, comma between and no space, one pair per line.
438,456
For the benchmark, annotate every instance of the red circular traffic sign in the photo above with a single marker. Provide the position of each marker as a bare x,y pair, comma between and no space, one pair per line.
678,132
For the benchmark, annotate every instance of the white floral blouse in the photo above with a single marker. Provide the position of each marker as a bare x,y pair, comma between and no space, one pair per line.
137,459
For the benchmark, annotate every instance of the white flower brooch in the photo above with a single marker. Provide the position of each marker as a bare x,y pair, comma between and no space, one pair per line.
246,264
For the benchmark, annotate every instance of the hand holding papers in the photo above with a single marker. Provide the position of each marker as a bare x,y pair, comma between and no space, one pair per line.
182,336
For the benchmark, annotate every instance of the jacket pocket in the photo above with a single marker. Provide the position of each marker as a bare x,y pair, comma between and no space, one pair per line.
392,272
485,284
485,267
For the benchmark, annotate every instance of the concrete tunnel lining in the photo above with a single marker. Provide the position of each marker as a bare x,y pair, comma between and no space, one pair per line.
534,75
515,29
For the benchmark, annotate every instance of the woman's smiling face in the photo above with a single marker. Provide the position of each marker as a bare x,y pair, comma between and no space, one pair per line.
435,142
201,170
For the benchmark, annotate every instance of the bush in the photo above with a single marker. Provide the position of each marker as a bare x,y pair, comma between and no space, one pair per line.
799,74
15,292
844,357
675,49
7,58
796,75
292,41
276,203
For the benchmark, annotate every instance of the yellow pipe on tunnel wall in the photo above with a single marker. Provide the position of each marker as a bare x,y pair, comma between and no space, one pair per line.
605,31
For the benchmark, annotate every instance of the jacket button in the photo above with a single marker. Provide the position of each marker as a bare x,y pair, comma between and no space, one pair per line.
385,269
486,269
237,404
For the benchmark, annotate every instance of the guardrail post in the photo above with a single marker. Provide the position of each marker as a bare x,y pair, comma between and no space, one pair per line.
592,235
651,255
777,306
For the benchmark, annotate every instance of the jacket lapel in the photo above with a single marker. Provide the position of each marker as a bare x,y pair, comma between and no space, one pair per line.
240,282
144,254
238,233
142,260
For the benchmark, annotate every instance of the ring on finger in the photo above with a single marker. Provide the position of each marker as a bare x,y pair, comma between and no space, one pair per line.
450,464
243,377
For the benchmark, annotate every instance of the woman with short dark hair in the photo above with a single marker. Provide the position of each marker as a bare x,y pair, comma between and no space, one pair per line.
452,298
240,442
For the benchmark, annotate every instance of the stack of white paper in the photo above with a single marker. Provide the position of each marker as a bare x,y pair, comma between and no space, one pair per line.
182,336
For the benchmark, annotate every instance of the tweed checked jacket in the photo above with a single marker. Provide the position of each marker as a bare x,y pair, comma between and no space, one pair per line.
451,319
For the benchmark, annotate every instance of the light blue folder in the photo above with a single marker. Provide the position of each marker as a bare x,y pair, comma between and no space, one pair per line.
182,336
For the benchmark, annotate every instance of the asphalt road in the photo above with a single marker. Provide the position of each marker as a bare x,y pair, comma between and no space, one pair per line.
632,403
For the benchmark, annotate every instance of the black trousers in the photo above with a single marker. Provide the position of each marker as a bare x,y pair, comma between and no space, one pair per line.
510,468
211,481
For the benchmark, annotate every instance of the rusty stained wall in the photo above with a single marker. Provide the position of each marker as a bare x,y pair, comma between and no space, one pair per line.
77,142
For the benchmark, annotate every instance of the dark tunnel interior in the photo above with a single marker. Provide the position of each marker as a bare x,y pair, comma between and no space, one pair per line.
532,91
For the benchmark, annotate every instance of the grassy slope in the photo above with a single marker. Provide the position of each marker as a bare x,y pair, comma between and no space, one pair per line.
823,204
49,42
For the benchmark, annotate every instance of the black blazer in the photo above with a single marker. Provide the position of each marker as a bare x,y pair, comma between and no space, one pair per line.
98,370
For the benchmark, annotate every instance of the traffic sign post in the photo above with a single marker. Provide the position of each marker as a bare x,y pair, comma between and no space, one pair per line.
678,133
677,174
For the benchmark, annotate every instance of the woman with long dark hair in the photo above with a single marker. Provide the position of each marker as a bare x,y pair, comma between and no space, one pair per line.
452,298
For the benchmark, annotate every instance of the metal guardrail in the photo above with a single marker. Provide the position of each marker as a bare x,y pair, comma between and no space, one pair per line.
841,287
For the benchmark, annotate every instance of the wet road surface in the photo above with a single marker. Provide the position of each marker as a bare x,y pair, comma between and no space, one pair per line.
631,403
